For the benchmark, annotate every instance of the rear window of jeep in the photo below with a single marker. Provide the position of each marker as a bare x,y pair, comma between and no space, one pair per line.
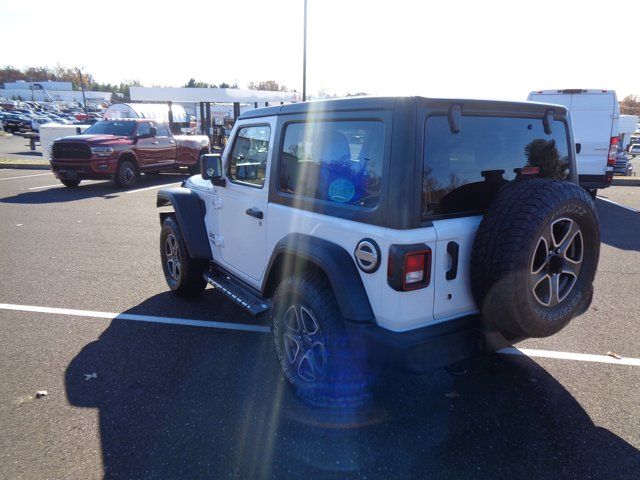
463,171
337,161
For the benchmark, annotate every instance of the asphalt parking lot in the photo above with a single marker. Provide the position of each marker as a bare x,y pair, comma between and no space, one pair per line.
131,397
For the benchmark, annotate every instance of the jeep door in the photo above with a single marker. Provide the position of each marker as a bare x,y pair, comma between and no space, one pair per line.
242,203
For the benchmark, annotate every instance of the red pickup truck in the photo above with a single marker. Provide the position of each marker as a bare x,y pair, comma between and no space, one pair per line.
122,149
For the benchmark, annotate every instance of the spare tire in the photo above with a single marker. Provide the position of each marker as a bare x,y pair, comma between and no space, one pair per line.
535,256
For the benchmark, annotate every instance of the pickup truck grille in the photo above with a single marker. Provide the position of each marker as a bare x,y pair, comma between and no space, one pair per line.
71,150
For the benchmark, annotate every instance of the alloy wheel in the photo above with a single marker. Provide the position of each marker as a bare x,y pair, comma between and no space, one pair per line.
304,343
172,258
556,262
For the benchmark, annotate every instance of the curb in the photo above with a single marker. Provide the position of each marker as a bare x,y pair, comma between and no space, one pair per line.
25,166
626,182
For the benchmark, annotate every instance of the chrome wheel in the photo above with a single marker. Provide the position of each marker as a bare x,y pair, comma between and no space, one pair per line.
304,343
172,259
556,262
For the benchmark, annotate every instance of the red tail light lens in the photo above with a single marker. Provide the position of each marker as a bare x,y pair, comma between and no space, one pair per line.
414,268
409,267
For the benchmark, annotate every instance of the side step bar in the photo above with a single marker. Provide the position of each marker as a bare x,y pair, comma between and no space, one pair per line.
237,292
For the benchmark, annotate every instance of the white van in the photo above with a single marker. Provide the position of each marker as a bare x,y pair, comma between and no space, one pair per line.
594,119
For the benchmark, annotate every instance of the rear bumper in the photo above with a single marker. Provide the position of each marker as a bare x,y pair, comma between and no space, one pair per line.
431,347
595,181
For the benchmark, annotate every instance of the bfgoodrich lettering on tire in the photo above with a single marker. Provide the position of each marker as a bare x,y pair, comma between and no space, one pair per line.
535,256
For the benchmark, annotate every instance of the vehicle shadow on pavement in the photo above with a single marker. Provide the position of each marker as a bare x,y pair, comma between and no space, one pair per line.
619,227
104,189
187,402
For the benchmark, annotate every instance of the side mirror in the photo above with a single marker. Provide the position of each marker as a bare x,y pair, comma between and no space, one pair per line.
153,131
78,130
211,168
578,147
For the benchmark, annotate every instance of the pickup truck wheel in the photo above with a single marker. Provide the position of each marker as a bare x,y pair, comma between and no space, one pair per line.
71,183
183,274
325,366
535,256
126,175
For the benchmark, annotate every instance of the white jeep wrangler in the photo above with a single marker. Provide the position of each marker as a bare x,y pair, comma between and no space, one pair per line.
414,231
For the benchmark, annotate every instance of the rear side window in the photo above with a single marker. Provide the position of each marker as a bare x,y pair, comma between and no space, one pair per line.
248,160
462,172
336,161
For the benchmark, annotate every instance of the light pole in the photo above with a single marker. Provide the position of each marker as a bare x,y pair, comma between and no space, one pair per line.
304,56
84,100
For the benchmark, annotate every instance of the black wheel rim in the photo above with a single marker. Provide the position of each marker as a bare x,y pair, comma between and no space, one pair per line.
128,175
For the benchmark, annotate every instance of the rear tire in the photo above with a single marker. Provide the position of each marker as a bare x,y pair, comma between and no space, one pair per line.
71,183
184,275
126,175
323,364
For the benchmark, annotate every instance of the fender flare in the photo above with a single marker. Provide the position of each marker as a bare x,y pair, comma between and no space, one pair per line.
189,211
334,261
128,153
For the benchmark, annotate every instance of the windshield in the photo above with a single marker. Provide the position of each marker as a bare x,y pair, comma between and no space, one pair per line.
112,127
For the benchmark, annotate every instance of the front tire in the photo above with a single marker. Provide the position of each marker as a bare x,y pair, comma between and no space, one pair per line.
184,275
71,183
126,175
323,364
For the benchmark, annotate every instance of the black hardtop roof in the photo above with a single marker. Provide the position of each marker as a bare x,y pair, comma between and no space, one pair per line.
386,103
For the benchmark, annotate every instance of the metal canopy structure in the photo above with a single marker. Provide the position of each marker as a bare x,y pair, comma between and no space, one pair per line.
211,95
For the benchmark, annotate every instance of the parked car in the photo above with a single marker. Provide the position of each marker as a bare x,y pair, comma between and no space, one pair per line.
16,123
413,231
37,121
594,118
623,164
634,150
122,149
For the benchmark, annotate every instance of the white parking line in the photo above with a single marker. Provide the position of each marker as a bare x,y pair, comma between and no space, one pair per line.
137,318
150,188
46,186
618,204
26,176
60,184
581,357
528,352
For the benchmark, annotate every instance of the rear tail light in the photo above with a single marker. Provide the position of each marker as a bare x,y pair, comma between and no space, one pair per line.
409,267
611,161
613,149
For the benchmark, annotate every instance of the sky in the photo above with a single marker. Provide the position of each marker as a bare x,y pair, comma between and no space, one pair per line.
481,49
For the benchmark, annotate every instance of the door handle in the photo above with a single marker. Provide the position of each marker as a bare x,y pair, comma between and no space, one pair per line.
254,212
154,143
172,141
452,249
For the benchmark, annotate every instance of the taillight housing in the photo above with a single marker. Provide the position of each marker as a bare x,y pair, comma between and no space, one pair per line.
611,160
409,267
